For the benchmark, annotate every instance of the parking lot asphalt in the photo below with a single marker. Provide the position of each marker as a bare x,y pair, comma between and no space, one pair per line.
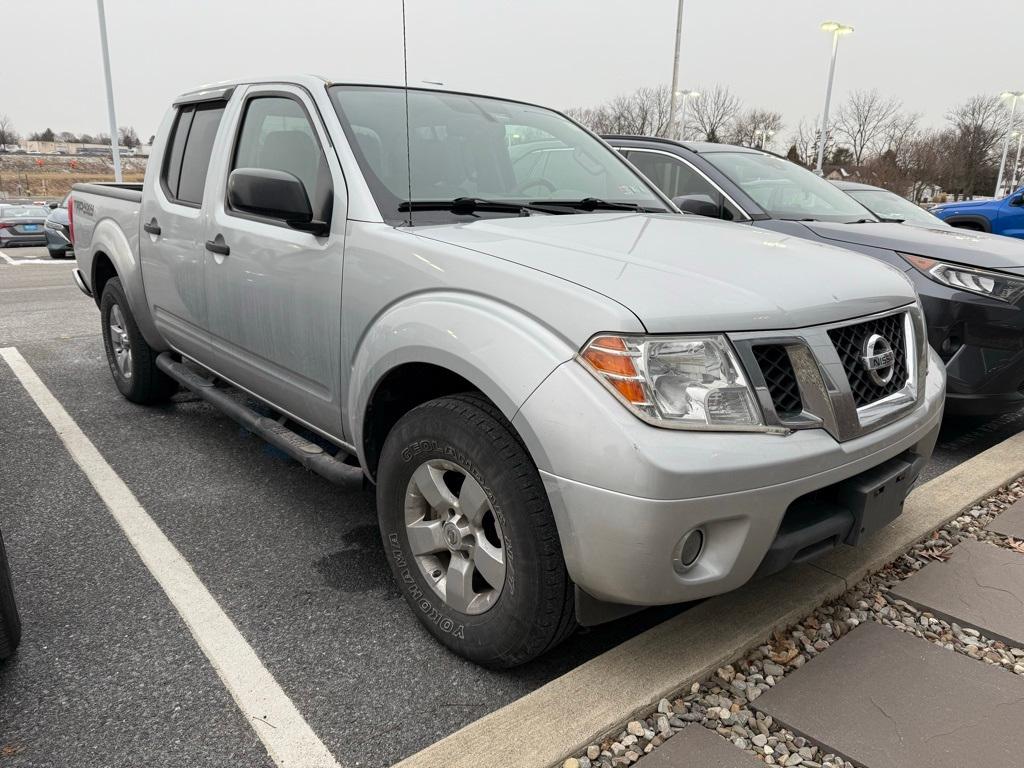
108,674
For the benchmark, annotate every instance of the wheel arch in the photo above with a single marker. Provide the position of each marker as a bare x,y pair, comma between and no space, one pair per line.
439,344
113,254
969,221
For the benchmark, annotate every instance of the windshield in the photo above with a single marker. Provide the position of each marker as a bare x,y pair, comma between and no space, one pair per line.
473,147
785,190
23,212
889,205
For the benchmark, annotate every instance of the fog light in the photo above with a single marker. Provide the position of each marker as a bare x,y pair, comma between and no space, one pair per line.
688,550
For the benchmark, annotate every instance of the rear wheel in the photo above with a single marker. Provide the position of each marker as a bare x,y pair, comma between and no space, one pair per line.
132,361
10,621
470,535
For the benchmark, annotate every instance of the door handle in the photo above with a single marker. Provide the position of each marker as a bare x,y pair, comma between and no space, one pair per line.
152,227
217,245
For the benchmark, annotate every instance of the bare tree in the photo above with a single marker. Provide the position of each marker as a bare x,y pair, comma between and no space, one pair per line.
7,133
644,112
899,136
977,127
128,137
863,120
755,127
714,112
926,163
805,142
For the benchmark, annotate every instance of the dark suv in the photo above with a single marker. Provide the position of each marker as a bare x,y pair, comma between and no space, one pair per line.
971,284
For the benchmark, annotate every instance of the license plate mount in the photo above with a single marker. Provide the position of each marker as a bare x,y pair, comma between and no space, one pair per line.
876,497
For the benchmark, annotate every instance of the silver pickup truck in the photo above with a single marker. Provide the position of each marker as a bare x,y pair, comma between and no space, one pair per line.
572,400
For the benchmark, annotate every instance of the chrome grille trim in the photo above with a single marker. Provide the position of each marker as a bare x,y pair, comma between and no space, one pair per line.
826,395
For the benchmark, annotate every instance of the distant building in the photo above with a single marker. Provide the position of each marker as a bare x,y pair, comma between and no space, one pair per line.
74,148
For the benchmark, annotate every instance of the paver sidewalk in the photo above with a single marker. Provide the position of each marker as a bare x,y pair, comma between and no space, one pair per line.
881,696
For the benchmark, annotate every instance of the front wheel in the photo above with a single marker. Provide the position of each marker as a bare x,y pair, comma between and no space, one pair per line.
132,361
470,535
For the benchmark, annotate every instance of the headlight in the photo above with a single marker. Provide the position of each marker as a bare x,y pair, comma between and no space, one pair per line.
686,382
995,285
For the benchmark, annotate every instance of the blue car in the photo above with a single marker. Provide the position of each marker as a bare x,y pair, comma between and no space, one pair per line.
1000,217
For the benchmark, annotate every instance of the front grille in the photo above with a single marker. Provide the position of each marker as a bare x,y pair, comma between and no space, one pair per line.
780,378
849,343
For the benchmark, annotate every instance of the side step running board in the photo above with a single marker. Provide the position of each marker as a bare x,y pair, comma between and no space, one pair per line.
308,454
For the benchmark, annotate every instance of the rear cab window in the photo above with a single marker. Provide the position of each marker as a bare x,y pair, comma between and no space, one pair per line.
183,176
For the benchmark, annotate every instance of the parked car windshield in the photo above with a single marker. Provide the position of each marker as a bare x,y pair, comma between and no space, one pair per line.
464,146
889,205
785,190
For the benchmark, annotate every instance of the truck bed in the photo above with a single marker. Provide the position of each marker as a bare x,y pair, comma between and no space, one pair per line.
131,191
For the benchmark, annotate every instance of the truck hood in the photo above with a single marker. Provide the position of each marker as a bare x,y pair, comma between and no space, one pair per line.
687,273
963,246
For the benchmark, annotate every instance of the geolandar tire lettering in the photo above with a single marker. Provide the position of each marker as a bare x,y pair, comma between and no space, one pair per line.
469,533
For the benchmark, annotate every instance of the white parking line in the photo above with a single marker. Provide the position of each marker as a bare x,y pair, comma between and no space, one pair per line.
19,262
287,736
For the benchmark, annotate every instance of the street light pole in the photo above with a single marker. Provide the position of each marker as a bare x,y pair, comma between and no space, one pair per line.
675,74
114,138
1006,139
1016,163
837,31
685,96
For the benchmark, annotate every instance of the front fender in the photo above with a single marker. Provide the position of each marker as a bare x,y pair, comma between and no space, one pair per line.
109,238
500,350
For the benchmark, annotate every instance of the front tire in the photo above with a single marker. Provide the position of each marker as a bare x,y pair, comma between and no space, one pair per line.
132,361
469,533
10,621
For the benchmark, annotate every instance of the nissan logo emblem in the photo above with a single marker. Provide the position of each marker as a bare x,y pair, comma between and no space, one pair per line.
878,360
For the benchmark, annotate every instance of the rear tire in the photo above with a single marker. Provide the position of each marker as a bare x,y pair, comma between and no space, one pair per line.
10,621
132,361
462,447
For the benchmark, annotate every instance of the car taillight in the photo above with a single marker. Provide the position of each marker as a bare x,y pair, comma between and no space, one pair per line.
71,220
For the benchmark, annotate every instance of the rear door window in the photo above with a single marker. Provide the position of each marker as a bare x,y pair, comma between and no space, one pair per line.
188,153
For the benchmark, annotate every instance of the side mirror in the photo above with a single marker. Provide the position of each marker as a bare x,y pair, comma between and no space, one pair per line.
1017,199
699,205
274,195
54,206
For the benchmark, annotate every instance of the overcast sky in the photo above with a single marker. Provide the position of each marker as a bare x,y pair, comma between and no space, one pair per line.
559,53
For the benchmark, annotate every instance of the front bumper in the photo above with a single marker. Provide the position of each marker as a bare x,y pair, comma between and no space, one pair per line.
981,342
57,241
624,494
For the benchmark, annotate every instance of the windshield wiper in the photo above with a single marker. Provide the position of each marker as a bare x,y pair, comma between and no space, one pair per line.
469,205
804,219
594,204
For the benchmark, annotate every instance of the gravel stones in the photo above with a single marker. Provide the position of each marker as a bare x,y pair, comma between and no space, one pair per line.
721,704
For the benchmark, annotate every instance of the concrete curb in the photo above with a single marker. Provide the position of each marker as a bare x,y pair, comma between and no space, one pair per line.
562,717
